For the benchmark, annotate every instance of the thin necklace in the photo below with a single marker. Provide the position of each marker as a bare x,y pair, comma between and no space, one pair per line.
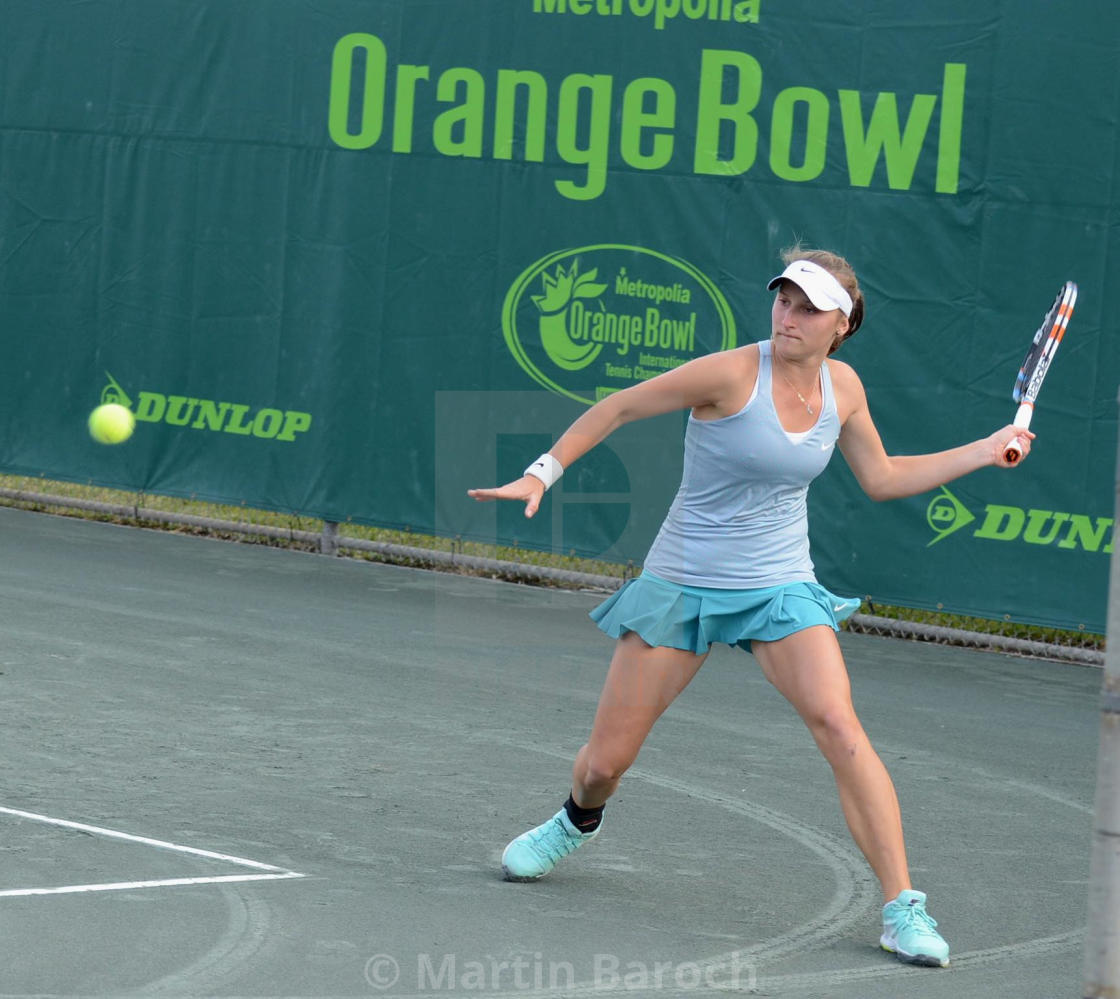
804,401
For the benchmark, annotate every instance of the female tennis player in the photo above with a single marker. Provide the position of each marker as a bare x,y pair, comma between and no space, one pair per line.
731,565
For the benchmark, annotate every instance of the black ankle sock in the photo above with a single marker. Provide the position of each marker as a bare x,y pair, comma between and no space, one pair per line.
584,819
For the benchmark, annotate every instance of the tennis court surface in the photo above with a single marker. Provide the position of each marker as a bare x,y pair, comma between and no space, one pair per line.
232,770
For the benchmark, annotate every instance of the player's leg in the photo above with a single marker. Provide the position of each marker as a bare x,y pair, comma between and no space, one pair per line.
641,683
808,669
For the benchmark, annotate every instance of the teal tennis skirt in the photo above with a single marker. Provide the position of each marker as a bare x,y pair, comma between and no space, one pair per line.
694,618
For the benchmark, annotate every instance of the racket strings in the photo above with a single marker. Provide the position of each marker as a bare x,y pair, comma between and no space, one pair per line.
1044,345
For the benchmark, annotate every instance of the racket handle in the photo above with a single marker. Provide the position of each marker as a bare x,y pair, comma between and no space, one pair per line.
1014,450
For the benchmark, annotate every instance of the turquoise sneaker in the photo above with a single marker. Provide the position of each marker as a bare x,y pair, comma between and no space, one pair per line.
534,853
910,933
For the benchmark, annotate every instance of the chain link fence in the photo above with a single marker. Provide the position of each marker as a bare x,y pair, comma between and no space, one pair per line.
527,567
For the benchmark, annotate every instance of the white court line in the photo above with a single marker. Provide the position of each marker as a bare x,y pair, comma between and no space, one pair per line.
274,873
164,883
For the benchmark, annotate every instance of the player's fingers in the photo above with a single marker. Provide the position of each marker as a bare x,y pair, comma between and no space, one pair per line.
1004,438
1015,449
519,490
500,493
527,488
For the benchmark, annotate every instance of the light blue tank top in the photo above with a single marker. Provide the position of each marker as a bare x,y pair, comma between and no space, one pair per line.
739,518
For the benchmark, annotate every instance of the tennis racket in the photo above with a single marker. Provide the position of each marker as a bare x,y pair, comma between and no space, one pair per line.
1037,363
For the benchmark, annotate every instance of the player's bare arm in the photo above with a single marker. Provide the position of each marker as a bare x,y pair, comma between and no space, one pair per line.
712,385
883,476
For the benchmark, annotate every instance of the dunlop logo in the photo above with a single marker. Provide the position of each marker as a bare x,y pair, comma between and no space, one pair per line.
1073,531
242,419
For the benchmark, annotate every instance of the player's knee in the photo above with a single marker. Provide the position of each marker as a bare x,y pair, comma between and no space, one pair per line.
603,769
837,731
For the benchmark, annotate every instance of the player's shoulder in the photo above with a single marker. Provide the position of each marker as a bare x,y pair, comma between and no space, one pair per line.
747,351
846,388
745,364
732,361
843,375
728,378
746,355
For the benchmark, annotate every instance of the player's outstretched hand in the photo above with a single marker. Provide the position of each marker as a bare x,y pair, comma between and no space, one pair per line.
1002,438
528,488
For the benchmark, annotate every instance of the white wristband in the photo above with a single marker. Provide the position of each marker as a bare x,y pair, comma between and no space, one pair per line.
546,468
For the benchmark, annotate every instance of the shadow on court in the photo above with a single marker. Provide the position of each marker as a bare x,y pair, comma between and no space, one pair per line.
384,731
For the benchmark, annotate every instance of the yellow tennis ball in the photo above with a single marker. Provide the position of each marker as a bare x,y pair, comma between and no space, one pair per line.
111,423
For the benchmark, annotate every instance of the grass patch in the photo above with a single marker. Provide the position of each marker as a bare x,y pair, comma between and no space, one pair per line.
244,515
132,503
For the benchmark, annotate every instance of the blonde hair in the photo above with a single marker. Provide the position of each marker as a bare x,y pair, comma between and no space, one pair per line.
840,269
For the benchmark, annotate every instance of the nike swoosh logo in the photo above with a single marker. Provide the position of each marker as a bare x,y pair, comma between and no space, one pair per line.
839,608
825,447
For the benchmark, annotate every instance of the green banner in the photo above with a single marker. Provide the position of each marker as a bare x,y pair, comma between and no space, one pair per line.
350,259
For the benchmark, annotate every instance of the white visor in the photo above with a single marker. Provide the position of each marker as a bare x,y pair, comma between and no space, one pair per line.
821,288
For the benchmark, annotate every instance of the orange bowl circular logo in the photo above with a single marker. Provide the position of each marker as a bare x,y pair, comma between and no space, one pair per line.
589,321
